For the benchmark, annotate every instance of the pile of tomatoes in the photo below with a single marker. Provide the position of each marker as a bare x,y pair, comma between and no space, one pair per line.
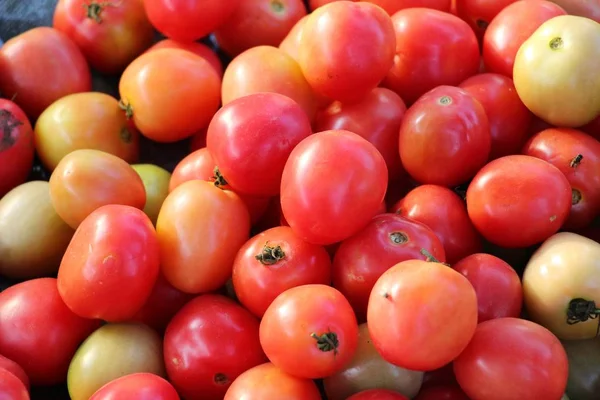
378,200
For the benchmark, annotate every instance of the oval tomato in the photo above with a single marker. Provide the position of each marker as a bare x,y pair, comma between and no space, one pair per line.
11,387
199,49
479,13
377,394
138,386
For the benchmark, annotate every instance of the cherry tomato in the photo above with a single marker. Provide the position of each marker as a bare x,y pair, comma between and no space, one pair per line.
197,48
138,386
322,174
208,344
479,13
411,304
15,369
377,394
11,387
518,201
393,6
445,392
309,331
512,350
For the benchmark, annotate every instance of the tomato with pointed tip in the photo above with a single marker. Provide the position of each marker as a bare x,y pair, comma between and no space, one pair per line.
137,386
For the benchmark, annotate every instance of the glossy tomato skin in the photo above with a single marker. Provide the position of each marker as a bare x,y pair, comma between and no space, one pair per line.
322,174
199,49
512,350
309,331
387,240
377,394
448,57
137,386
393,6
208,344
15,369
443,392
11,387
518,201
479,13
445,137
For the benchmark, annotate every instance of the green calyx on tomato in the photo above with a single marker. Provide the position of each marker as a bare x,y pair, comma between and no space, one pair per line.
270,255
430,258
8,122
125,106
218,178
581,310
93,10
327,342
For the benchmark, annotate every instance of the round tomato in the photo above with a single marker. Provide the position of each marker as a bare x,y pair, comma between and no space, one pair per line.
512,350
208,344
137,386
479,13
377,394
443,392
15,369
11,387
393,6
197,48
518,201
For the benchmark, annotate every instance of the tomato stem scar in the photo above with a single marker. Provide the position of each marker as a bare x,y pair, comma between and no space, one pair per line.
125,106
575,196
270,255
398,237
556,43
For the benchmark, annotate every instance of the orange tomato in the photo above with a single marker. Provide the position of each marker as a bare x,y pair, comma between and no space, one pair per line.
197,48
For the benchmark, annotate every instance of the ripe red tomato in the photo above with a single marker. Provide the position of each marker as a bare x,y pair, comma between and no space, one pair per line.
518,201
445,137
387,240
377,394
197,48
35,58
332,185
421,314
444,392
138,386
15,369
479,13
346,49
309,331
393,6
448,56
11,387
208,344
16,146
512,350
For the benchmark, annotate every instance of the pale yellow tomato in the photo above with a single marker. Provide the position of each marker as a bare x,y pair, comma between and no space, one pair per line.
156,182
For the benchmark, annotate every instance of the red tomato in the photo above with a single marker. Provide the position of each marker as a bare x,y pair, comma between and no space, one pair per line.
197,48
445,137
274,261
393,6
377,394
208,344
512,350
11,387
508,117
518,201
35,58
448,56
446,392
189,20
314,4
309,331
387,240
346,49
42,340
479,13
291,42
510,28
267,382
377,118
15,369
577,156
322,174
138,386
421,314
498,287
16,146
251,138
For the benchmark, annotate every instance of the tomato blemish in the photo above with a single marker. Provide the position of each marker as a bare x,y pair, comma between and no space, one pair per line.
8,123
221,379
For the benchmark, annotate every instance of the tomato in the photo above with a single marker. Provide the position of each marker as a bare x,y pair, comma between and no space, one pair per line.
445,137
377,118
258,22
512,350
208,344
411,304
584,357
444,392
187,108
568,44
309,331
377,394
85,180
90,120
589,9
479,13
30,60
11,387
137,386
41,340
508,117
16,146
291,42
9,365
322,174
393,6
268,382
156,183
314,4
510,28
250,157
387,240
197,48
443,376
110,33
448,56
346,49
267,69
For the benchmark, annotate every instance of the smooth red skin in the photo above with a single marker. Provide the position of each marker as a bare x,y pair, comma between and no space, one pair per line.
512,350
559,146
361,259
322,173
314,4
42,340
16,147
498,287
377,394
15,369
110,266
197,48
448,56
267,382
479,13
510,28
39,67
393,6
444,144
258,22
286,328
257,285
593,128
508,117
122,34
11,387
210,335
446,392
251,138
138,386
518,201
377,118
